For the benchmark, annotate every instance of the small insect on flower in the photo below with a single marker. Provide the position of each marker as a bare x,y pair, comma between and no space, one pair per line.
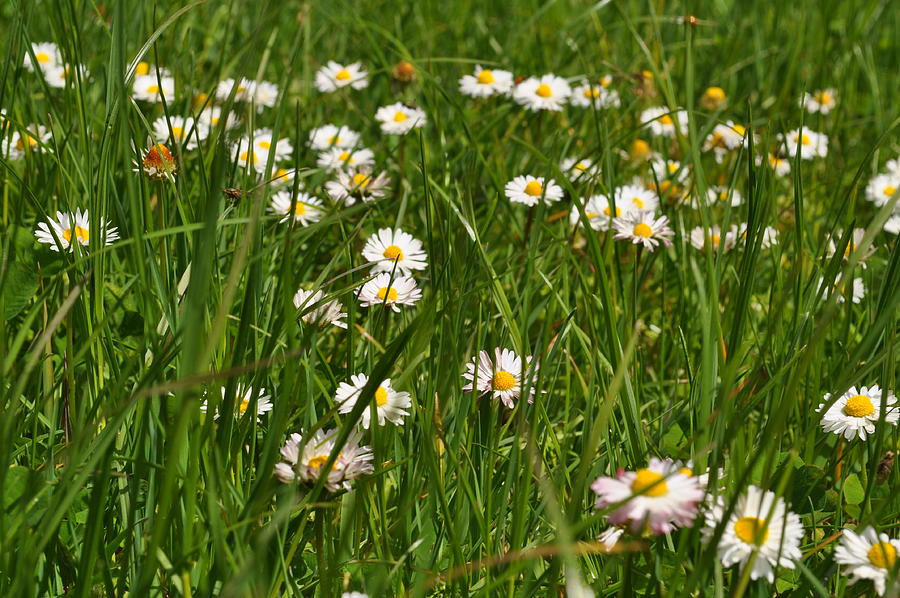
360,184
400,119
333,76
579,168
390,405
336,158
328,136
641,227
46,55
810,144
389,249
152,88
503,377
185,131
597,210
383,290
856,413
548,92
304,460
882,188
486,82
529,190
305,210
760,523
594,95
158,163
658,498
662,121
821,101
243,397
319,312
713,98
869,555
62,234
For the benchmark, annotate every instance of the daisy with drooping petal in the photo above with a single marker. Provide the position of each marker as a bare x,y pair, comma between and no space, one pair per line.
306,209
46,55
390,405
594,95
882,187
641,227
810,144
579,168
328,136
158,163
360,184
760,523
821,101
659,497
150,88
243,396
598,211
334,76
305,458
391,291
856,413
548,92
69,229
529,190
869,555
400,119
389,249
486,82
632,198
35,140
662,121
185,131
503,377
337,158
324,312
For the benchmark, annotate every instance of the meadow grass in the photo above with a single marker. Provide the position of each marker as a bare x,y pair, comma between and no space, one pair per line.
114,482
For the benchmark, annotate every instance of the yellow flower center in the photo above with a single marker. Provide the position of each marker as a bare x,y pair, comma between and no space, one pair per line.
299,208
638,202
639,149
883,555
581,166
751,530
153,88
823,97
606,81
608,211
42,57
803,139
28,139
142,68
544,90
81,233
178,132
319,460
665,119
715,93
643,230
686,471
334,140
859,406
389,292
393,253
672,167
248,156
343,75
890,190
592,215
242,408
715,239
399,117
649,483
739,129
264,144
381,396
361,180
503,380
533,188
486,77
723,195
344,156
241,89
591,93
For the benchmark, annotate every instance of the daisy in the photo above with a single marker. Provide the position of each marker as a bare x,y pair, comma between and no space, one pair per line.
776,162
307,209
390,405
855,413
663,169
391,249
159,163
333,76
821,101
811,144
243,90
399,119
249,155
150,88
882,188
642,227
360,184
243,396
610,537
635,198
503,377
387,290
725,138
62,233
145,68
185,131
58,75
337,158
893,167
857,290
595,96
713,98
868,555
486,83
211,115
328,136
721,194
662,121
713,236
598,212
305,458
578,168
769,235
322,312
528,190
548,92
264,144
760,524
264,95
281,176
354,595
658,497
856,238
46,55
21,144
893,224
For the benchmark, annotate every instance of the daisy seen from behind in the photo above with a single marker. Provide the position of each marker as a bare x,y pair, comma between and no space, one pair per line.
856,413
529,190
486,82
304,459
390,248
547,92
503,377
642,227
389,290
70,229
333,76
390,404
318,311
869,555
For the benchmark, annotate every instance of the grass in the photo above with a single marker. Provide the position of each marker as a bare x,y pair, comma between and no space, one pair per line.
115,483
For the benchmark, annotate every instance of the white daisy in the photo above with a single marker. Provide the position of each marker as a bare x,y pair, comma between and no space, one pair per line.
307,208
264,144
548,92
811,144
769,235
248,155
150,88
394,248
664,169
579,168
336,158
304,460
281,176
714,237
632,198
46,55
354,595
400,119
893,224
243,90
59,75
855,413
264,95
662,121
486,82
893,167
857,290
211,115
390,404
598,211
333,76
185,131
594,95
503,377
68,228
382,290
720,194
243,396
322,312
528,190
777,162
760,524
726,137
360,184
35,140
822,101
328,136
855,240
869,555
882,187
643,227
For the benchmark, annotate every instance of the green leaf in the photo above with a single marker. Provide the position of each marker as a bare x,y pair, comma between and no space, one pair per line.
854,493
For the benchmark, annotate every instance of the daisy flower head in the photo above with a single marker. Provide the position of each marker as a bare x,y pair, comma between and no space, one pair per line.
305,210
354,595
210,117
778,163
336,158
391,291
46,55
328,136
281,176
810,144
265,144
821,101
662,121
701,237
725,137
150,88
400,119
185,131
264,95
334,76
598,212
324,312
579,168
856,413
664,169
305,458
548,92
869,555
529,190
243,90
250,156
892,225
594,95
658,497
893,166
389,249
59,75
31,141
882,188
486,82
68,229
760,524
642,227
390,405
357,184
720,195
243,396
503,376
158,163
632,198
769,235
853,242
857,289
